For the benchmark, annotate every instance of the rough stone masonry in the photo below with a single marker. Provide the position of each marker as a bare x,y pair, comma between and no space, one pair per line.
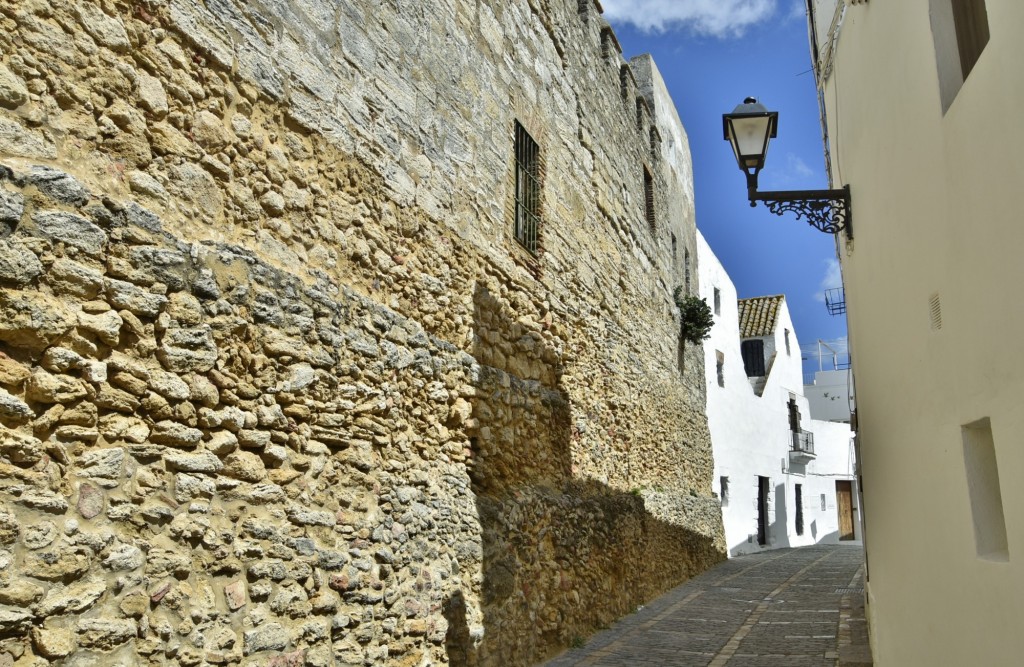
278,386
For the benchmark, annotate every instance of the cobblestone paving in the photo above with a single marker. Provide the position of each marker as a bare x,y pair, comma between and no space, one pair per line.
790,607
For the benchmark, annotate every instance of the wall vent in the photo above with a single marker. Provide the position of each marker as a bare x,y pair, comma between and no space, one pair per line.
935,311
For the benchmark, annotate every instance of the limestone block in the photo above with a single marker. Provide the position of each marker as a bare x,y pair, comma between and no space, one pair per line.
124,295
12,373
52,642
59,186
112,398
72,599
102,463
39,535
124,557
32,320
106,30
152,96
187,487
188,350
12,89
44,387
18,141
142,183
245,466
164,562
12,207
59,359
267,637
13,410
106,327
71,229
69,277
20,593
169,386
61,565
200,462
10,528
176,435
105,634
18,620
18,265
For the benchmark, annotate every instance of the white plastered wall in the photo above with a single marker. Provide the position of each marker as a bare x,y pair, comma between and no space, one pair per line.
751,435
936,197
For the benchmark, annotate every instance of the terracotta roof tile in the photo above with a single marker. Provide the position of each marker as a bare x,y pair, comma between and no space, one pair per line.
758,316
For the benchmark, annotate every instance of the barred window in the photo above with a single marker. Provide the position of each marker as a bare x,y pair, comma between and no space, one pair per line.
649,197
528,175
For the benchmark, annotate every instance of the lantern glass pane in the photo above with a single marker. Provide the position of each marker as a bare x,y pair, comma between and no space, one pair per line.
750,139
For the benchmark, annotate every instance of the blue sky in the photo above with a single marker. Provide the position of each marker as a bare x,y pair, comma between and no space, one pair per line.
712,54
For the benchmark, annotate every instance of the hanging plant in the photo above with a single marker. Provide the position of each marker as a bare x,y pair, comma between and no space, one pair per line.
695,318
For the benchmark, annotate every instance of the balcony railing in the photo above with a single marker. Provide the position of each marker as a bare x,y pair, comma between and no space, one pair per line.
803,444
835,301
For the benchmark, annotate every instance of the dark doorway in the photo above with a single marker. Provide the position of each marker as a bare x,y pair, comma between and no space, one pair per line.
762,510
799,509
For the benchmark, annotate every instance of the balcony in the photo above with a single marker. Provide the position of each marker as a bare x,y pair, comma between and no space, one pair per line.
803,447
835,301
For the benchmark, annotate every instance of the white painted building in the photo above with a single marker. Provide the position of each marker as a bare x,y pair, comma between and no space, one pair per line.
831,395
784,479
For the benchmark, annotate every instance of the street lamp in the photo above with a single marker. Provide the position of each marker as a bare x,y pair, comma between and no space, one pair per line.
749,129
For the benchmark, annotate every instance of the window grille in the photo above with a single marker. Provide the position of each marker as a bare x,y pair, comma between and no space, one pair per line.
649,197
686,269
528,190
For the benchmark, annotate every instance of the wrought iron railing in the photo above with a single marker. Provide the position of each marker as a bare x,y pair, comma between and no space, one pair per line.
803,441
835,301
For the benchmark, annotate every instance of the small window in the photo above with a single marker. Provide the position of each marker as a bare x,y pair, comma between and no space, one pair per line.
675,249
753,357
983,488
960,32
794,416
686,269
718,302
799,501
649,197
720,367
528,190
823,501
723,482
786,333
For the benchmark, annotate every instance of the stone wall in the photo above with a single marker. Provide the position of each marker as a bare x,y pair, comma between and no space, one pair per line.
277,385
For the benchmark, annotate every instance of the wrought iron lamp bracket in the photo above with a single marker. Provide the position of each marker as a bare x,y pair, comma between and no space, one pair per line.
828,211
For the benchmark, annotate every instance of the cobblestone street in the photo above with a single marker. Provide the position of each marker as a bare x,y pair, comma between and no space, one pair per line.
790,607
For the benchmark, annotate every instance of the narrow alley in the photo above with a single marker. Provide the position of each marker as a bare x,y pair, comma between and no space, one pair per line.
786,608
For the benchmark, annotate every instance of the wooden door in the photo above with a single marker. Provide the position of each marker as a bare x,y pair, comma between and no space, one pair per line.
844,503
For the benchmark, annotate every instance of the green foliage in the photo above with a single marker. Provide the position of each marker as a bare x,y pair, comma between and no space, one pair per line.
695,318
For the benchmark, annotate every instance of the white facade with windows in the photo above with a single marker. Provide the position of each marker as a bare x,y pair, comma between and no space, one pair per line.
772,496
921,103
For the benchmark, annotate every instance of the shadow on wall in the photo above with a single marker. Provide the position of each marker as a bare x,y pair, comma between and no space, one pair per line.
562,557
778,532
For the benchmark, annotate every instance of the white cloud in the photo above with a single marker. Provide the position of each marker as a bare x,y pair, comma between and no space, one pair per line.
797,167
833,278
797,10
721,18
